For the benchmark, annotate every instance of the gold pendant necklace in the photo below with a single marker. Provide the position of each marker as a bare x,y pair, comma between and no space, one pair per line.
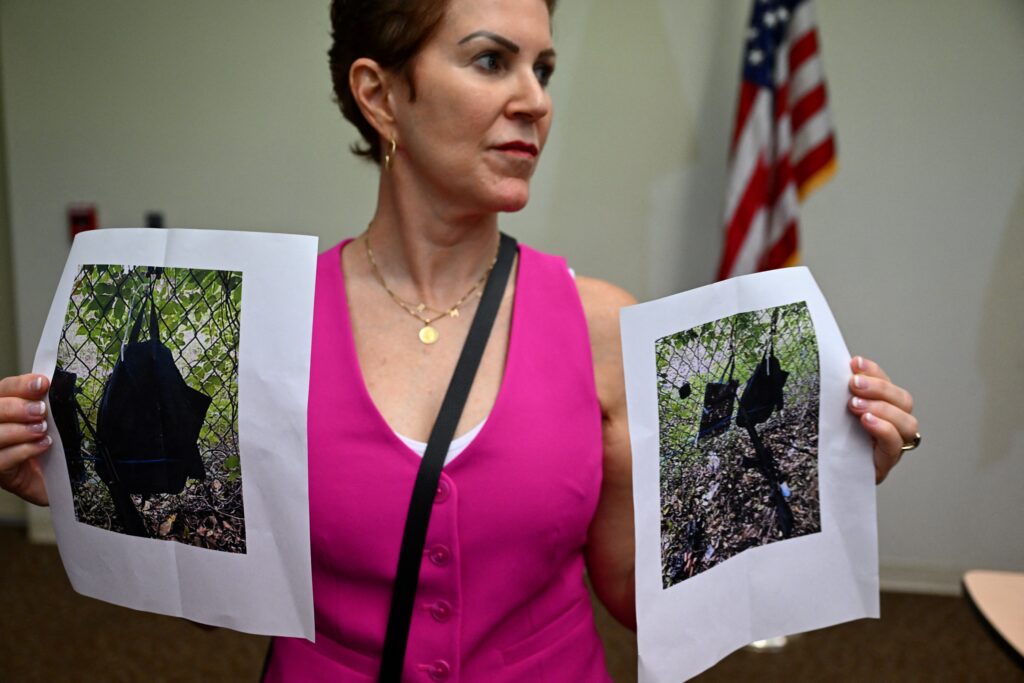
428,334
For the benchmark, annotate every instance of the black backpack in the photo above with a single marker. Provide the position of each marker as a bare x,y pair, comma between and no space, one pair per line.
149,418
719,399
64,411
762,393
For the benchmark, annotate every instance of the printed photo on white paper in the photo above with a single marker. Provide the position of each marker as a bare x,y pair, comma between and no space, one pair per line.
179,365
753,488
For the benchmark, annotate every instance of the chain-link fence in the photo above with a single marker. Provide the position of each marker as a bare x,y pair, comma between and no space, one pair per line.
198,313
726,487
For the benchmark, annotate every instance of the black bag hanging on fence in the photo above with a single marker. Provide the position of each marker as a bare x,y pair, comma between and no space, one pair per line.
149,419
762,393
719,398
64,411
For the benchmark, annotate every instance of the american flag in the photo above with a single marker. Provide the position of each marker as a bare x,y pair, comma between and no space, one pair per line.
783,145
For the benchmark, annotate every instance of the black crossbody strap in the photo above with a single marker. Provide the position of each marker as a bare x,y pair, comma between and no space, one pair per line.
404,593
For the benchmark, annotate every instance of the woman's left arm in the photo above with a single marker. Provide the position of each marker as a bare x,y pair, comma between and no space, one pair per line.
884,410
610,546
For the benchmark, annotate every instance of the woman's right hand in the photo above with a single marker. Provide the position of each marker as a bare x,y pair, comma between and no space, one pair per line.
23,436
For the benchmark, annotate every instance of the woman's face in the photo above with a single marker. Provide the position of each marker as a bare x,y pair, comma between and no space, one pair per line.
482,111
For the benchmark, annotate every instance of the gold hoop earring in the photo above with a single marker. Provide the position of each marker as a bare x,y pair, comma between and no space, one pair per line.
389,155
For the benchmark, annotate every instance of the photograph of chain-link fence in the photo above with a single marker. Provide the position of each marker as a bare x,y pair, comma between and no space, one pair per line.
145,399
738,437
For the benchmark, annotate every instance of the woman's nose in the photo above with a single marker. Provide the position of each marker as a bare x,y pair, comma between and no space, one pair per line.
531,99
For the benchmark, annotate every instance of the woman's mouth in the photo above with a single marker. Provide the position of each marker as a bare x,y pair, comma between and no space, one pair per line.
519,148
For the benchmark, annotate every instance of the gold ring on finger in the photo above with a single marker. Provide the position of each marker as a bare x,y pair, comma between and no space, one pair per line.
912,444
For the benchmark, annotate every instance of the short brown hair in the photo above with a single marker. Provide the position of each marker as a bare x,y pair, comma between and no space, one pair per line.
390,32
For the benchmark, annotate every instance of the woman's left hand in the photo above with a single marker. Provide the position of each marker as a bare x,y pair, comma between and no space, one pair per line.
884,410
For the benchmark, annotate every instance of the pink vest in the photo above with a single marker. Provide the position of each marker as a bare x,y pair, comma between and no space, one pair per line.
501,596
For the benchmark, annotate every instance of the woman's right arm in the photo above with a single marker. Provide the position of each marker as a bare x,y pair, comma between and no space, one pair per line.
23,436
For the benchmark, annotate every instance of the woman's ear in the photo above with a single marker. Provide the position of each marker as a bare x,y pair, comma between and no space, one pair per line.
371,87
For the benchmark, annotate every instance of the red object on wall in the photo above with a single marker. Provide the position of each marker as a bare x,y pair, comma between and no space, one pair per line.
81,217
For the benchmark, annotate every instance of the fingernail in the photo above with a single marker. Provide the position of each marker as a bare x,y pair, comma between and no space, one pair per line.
870,418
37,384
858,381
38,427
860,362
858,402
45,441
36,409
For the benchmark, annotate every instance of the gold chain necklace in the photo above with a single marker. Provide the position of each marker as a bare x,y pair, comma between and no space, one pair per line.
428,333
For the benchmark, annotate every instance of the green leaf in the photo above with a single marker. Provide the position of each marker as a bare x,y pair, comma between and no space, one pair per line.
213,384
120,309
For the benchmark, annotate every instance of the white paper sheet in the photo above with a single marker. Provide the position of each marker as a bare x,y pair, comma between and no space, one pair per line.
701,592
233,549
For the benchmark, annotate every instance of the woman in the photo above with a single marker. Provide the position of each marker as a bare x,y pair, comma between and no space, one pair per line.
451,100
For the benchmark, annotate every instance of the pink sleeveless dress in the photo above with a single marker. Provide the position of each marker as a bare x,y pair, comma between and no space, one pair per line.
501,596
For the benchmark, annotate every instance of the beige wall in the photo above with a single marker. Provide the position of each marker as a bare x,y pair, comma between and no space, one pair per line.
920,244
11,508
220,115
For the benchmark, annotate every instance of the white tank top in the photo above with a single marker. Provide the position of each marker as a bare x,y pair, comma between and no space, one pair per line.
458,444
